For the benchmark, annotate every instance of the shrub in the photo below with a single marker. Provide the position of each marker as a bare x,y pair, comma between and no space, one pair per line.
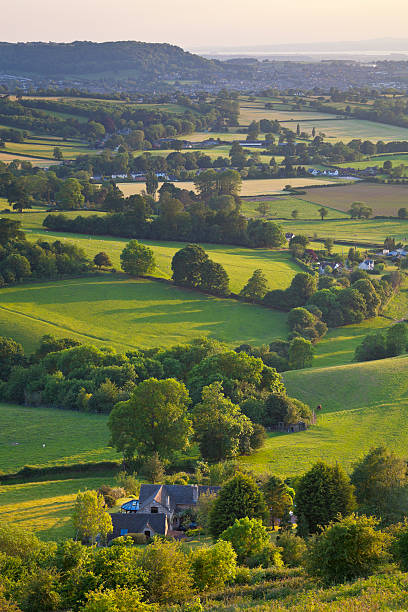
348,549
213,566
168,569
293,549
137,259
247,536
268,556
138,538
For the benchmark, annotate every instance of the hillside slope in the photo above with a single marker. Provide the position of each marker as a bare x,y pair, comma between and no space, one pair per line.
147,60
364,405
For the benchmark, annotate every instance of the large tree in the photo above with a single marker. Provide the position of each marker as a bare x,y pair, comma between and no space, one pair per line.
380,480
137,259
154,419
256,287
70,194
322,494
219,425
187,265
89,516
238,498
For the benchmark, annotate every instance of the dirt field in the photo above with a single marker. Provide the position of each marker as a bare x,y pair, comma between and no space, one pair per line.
383,199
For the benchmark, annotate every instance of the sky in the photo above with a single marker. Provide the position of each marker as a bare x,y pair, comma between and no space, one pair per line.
195,24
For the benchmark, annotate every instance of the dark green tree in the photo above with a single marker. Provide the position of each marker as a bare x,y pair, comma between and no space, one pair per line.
102,260
256,287
187,266
238,498
137,259
322,494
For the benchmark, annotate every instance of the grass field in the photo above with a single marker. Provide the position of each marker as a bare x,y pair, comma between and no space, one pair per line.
128,314
383,199
378,160
44,148
363,405
45,507
69,437
282,208
372,230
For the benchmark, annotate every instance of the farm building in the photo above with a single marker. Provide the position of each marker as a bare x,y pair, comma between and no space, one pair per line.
158,509
367,264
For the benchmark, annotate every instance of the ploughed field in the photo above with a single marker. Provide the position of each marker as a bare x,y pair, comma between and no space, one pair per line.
383,199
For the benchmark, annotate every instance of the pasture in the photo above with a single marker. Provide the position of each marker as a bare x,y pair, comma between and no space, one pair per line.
364,405
69,437
282,207
127,314
43,147
45,507
377,160
361,231
383,199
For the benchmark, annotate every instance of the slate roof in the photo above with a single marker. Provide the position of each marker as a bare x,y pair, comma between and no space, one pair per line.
138,523
171,496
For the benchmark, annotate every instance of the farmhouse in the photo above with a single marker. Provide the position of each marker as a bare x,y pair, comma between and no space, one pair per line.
367,264
158,510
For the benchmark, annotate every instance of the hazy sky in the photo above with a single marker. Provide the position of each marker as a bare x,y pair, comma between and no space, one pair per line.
198,23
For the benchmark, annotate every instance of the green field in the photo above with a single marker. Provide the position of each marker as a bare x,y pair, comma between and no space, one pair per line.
282,208
370,231
45,507
383,199
378,160
44,148
69,437
364,405
128,314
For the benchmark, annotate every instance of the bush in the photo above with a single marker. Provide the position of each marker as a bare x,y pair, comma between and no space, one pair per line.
293,549
168,569
213,566
348,549
138,538
269,556
247,536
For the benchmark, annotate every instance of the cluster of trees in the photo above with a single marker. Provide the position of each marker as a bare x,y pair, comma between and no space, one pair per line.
384,343
21,259
193,268
202,391
126,125
177,216
345,301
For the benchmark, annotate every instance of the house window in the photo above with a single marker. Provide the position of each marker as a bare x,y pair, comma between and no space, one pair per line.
154,510
123,532
147,534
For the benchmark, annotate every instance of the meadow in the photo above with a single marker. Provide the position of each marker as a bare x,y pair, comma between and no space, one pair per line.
127,314
364,232
69,437
282,207
45,507
43,147
364,405
377,160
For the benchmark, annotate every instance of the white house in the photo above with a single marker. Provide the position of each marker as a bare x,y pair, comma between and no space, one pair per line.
367,264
